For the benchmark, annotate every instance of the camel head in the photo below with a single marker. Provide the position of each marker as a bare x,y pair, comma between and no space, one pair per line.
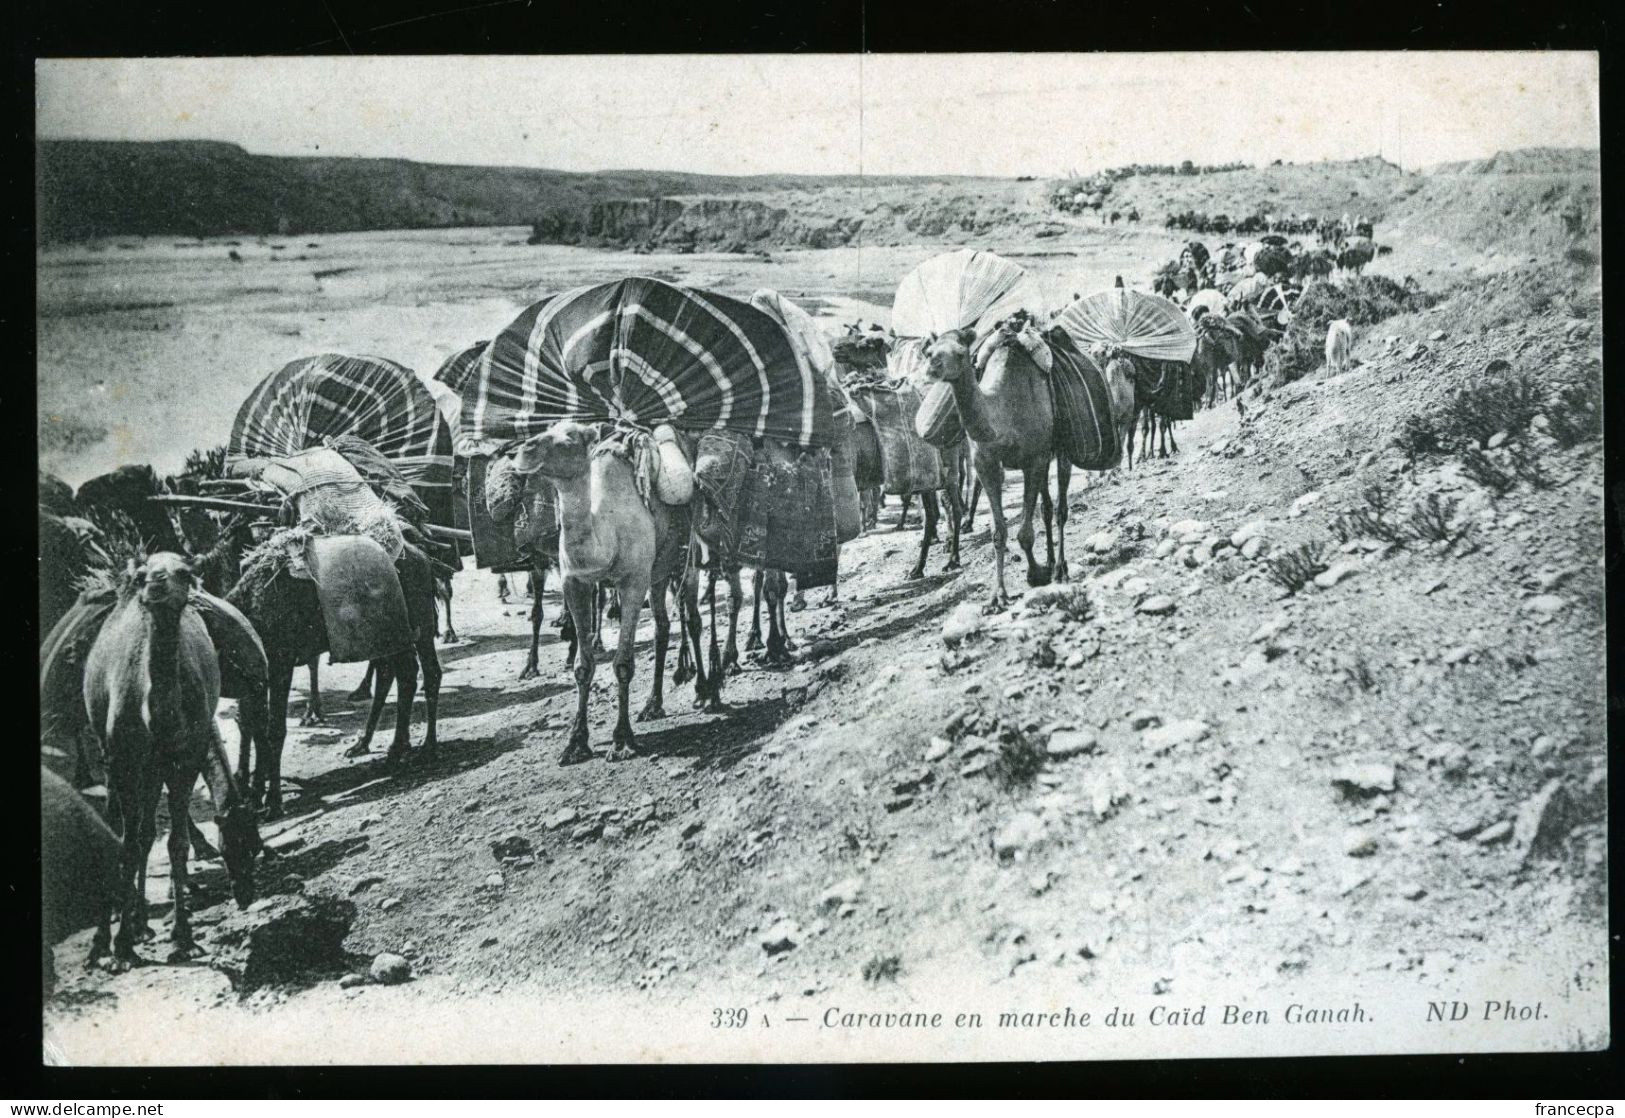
166,581
561,451
240,847
948,356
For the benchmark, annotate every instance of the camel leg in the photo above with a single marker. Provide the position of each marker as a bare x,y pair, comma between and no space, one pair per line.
598,621
578,599
429,661
405,667
268,769
313,705
754,641
363,690
531,670
444,586
1168,433
656,706
784,623
384,672
955,508
991,476
773,589
180,816
1033,482
626,743
502,588
687,589
902,517
736,602
1063,482
1133,422
694,628
798,601
928,501
139,795
970,506
1049,521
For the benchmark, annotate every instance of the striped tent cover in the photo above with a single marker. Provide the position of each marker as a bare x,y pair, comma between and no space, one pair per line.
1145,325
458,369
376,400
646,352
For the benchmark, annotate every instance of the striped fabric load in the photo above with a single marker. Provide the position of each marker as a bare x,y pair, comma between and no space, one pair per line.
646,352
1085,430
307,401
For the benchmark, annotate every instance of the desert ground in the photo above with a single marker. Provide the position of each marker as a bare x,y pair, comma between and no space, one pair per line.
1388,784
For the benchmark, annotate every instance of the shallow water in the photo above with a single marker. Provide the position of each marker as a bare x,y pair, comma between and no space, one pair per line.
148,346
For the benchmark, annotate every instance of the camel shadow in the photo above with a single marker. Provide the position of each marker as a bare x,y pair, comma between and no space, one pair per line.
376,779
719,742
306,864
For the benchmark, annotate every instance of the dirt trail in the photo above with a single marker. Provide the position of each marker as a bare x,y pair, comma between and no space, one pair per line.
1221,783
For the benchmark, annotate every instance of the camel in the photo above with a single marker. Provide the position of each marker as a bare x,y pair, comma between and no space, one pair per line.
608,534
152,683
286,613
1009,415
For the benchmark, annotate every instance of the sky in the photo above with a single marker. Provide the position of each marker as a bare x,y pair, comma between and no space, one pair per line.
996,115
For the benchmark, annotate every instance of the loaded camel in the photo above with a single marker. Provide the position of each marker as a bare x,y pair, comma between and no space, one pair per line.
1010,418
152,683
609,533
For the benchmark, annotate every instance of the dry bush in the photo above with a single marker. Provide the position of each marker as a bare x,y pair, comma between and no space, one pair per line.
1504,402
882,968
1363,300
1020,760
1369,520
1484,470
1292,570
1418,437
1435,519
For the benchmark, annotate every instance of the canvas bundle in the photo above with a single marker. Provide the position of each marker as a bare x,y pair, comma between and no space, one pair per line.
787,514
843,473
908,463
722,459
1085,431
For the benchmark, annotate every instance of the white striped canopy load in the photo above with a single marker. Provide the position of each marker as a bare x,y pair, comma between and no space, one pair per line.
1136,322
646,352
446,386
383,403
968,287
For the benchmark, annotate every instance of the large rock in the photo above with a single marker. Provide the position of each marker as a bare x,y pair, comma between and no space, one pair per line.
1183,731
964,621
1156,605
781,937
1542,822
389,969
1253,529
300,944
1336,573
1367,779
1069,743
1018,835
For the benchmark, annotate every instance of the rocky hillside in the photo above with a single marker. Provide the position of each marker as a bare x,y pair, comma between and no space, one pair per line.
90,188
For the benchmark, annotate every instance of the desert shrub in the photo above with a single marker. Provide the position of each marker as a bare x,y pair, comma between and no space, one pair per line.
1292,570
1575,416
1418,437
1486,471
1502,402
882,968
1363,300
1369,520
1020,759
1433,518
1069,600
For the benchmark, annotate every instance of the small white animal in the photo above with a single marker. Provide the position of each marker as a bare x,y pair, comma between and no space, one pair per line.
1339,345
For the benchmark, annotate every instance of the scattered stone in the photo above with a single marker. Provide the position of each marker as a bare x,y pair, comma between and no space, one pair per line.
471,806
1539,826
822,649
963,622
1070,743
978,765
1188,531
1335,574
1271,629
389,904
1435,586
1417,349
1548,605
1359,844
1156,605
588,831
913,781
898,803
1457,655
693,828
389,969
939,748
1253,548
841,895
351,980
1412,892
512,847
562,818
1019,834
1496,440
362,884
1361,780
1252,530
1143,719
1185,731
1437,335
1166,548
1101,543
1494,833
494,880
781,937
1301,505
1136,586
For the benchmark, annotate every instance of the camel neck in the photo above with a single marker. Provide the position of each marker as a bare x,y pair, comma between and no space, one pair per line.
577,517
163,662
968,396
